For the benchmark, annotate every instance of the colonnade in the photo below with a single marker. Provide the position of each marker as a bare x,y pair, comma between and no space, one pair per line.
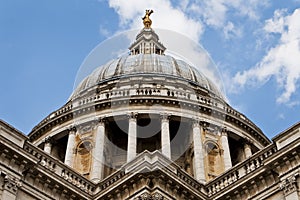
99,145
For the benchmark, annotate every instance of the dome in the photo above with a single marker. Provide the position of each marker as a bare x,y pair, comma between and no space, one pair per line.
146,65
148,102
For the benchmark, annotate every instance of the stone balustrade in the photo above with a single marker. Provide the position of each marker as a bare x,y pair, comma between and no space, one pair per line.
188,179
47,163
78,181
106,183
56,166
240,170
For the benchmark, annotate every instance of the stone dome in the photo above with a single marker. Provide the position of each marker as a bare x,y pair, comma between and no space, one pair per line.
148,102
146,65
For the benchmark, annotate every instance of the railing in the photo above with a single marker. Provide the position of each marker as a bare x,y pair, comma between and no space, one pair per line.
77,180
188,179
240,170
106,183
55,166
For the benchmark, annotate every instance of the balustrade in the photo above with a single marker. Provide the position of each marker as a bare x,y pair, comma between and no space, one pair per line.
242,169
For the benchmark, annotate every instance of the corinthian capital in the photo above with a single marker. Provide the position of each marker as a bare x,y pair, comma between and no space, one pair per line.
72,129
49,140
196,122
165,116
288,185
11,183
132,115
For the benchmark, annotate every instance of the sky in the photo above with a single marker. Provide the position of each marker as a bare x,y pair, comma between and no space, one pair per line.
254,44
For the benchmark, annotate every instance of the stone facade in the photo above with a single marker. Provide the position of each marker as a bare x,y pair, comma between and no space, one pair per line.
28,172
148,126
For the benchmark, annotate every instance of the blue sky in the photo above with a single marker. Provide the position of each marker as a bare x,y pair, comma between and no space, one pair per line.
255,45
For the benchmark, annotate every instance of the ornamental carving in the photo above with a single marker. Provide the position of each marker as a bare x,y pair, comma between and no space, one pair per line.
132,115
148,196
86,128
11,184
288,185
49,140
165,116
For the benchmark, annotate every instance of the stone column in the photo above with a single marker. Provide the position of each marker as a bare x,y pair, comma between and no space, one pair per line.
165,136
226,151
10,188
48,145
98,152
132,137
70,147
199,172
247,150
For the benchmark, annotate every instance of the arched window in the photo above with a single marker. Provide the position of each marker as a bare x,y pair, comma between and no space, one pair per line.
83,157
214,163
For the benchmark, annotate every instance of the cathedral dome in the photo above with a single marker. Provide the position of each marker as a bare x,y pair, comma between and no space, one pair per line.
146,65
148,126
144,102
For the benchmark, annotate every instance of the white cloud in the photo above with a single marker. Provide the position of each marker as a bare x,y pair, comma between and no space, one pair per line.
281,116
213,11
225,14
189,16
165,16
250,8
277,23
104,31
230,31
280,62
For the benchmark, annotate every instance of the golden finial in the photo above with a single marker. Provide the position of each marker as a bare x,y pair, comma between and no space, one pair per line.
146,20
